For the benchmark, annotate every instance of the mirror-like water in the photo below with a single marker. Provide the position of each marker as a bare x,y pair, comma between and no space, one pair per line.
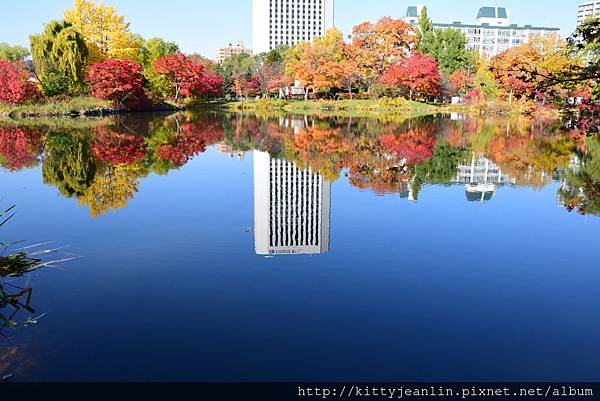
220,247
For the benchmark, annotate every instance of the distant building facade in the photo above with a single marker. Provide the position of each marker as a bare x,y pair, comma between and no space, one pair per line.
226,52
291,208
587,9
288,22
493,32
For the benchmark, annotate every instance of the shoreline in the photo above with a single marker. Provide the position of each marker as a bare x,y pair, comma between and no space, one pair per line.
78,107
379,107
85,107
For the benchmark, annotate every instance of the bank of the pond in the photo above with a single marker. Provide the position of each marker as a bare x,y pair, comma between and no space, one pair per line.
383,106
362,105
82,106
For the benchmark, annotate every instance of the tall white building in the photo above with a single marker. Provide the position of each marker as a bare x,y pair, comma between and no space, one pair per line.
288,22
587,9
291,208
493,32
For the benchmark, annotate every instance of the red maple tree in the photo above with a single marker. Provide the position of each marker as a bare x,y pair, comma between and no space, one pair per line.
118,81
187,78
245,87
15,86
461,81
418,73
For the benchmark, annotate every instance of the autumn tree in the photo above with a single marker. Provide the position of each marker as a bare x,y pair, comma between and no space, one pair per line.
12,53
205,62
15,86
379,46
350,76
185,78
418,73
485,84
461,82
523,70
267,74
583,49
245,87
119,81
106,33
60,57
508,69
318,64
238,64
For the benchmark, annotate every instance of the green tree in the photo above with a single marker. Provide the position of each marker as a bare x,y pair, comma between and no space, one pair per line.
13,53
154,49
59,54
241,65
485,82
449,48
425,33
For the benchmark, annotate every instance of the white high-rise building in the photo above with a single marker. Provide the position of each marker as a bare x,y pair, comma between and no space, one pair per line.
291,208
288,22
587,9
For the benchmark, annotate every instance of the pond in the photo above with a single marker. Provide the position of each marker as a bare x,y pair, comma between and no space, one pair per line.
239,247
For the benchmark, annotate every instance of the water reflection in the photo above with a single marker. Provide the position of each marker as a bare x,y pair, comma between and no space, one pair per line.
100,163
384,203
291,208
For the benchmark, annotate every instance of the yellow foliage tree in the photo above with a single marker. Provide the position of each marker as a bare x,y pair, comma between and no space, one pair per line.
106,34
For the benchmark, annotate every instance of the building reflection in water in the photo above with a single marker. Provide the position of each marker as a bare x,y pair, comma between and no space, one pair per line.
481,178
291,208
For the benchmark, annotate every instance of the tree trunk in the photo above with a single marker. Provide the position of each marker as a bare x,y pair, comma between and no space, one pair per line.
411,95
306,93
350,91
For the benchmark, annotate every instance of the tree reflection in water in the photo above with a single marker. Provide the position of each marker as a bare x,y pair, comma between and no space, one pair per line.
102,165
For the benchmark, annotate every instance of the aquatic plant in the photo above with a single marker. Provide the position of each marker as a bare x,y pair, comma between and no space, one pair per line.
15,265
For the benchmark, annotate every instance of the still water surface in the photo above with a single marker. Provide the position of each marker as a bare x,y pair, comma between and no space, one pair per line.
219,247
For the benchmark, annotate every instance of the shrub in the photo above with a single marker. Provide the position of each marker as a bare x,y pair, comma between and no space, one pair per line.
55,84
15,86
396,102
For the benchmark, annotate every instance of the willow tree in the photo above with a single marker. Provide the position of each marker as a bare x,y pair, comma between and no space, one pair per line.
59,53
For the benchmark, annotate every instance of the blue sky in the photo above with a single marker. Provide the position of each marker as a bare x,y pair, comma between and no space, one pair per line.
203,26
